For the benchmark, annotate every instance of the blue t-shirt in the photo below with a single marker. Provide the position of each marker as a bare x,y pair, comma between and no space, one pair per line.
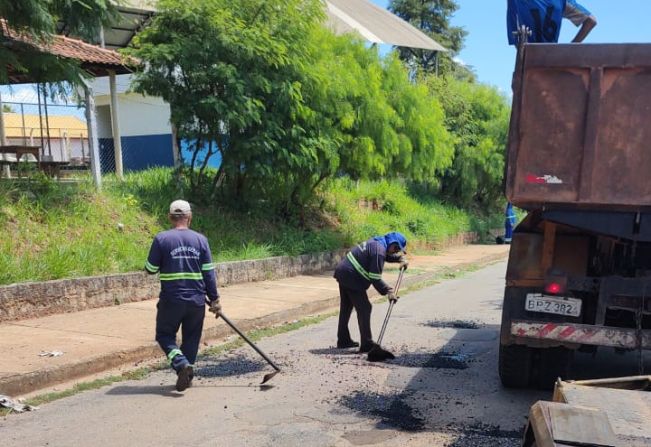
185,264
542,17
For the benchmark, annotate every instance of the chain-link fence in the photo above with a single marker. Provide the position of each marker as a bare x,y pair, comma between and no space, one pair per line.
56,135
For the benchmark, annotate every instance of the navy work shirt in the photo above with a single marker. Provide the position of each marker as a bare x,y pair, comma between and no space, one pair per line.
543,18
363,266
182,256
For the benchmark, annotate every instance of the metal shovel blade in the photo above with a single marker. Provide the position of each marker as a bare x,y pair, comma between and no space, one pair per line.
268,377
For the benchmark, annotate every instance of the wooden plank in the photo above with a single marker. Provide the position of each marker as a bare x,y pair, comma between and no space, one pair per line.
581,426
629,412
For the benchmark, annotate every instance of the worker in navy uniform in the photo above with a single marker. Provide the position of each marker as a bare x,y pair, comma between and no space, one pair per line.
544,17
183,260
362,267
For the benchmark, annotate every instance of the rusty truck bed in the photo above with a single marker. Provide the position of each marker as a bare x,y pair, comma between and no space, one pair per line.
580,132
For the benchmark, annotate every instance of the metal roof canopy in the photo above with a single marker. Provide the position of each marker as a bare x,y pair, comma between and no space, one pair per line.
133,16
376,25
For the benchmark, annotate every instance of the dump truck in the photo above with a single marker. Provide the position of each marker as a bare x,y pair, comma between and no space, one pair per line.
601,413
579,162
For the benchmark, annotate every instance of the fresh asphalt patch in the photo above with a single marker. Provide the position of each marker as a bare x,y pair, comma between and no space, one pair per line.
438,360
392,410
227,366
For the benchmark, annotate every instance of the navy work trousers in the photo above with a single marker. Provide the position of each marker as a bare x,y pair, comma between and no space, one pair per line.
171,315
357,299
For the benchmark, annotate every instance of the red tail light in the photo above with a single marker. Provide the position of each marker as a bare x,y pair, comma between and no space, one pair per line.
554,288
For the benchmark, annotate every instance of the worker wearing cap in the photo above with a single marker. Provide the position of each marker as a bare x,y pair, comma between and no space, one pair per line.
182,258
362,267
544,17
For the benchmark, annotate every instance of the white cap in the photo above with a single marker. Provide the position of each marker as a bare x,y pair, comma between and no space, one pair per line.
180,208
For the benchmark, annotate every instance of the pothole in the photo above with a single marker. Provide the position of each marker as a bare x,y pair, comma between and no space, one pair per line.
454,324
439,360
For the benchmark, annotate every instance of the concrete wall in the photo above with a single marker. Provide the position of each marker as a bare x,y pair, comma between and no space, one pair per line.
29,300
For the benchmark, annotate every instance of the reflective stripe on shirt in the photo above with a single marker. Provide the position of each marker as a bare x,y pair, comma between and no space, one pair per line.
151,267
182,275
366,275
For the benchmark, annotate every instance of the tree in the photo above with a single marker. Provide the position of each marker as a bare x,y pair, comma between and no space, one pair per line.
387,125
477,116
235,76
38,19
433,18
286,103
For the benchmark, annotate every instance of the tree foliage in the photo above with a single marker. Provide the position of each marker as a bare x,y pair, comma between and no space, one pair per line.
234,75
433,18
285,103
38,19
477,116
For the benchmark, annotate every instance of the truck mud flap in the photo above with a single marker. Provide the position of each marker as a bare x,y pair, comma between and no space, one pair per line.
582,334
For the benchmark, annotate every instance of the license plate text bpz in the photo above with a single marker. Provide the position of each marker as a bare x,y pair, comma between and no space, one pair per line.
537,302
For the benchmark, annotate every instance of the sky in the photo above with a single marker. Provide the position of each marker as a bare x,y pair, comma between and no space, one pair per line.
492,59
486,49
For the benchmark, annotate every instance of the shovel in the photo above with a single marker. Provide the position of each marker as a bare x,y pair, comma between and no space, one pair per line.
268,376
377,354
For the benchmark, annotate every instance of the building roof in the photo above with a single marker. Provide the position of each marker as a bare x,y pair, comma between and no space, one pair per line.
376,24
134,15
59,125
93,59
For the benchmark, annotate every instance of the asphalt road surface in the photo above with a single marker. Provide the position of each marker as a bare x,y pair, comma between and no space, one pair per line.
441,390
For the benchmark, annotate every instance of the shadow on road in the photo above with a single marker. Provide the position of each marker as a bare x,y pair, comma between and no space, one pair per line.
133,390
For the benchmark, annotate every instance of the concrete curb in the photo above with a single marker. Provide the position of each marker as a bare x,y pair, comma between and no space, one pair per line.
21,384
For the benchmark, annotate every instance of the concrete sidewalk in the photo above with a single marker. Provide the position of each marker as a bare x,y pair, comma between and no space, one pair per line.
98,340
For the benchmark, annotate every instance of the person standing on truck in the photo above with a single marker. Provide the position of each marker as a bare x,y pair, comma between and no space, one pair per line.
187,276
544,17
362,267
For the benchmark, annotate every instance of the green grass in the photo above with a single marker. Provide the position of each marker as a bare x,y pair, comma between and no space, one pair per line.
54,230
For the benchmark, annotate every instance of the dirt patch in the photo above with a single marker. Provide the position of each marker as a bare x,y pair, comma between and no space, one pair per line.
392,409
368,437
456,324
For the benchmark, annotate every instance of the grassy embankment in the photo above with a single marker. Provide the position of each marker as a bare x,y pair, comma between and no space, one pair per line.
53,231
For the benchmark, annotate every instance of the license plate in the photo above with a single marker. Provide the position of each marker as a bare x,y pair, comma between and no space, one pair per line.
537,302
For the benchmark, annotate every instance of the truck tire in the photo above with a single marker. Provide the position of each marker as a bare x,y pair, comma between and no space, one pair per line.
515,365
550,364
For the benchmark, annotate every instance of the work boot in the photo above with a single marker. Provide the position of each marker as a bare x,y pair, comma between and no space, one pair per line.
365,348
184,377
347,344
